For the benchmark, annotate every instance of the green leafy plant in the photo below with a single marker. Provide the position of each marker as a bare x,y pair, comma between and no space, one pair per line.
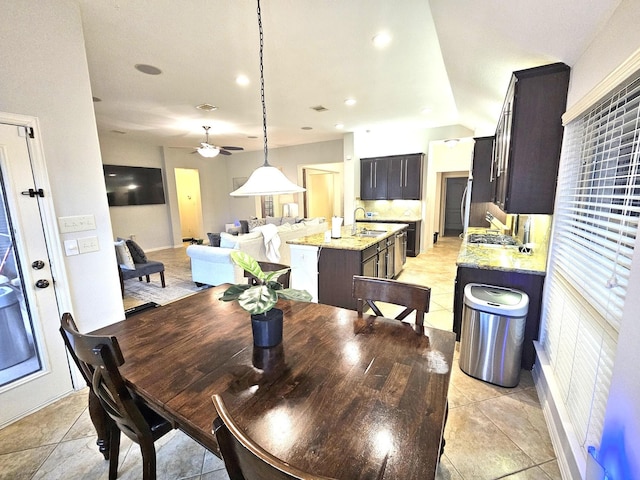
260,298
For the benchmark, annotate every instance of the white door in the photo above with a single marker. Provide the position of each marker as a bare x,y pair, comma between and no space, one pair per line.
33,363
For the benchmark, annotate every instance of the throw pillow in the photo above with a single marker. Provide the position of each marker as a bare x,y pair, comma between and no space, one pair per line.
136,252
290,220
124,256
255,222
214,239
244,226
228,241
274,221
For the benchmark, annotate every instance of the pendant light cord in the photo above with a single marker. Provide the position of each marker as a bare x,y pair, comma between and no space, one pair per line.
264,107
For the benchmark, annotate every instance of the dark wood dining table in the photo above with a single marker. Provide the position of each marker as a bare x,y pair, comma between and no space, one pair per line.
343,396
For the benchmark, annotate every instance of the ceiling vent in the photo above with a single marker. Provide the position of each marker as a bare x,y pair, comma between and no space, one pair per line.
319,108
207,107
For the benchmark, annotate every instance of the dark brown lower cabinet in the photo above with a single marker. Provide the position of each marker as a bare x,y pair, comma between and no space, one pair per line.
529,283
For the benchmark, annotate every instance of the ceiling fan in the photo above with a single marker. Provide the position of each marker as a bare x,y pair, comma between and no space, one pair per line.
209,150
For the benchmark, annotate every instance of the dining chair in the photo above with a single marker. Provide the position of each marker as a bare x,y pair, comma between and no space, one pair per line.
272,267
368,290
128,414
246,460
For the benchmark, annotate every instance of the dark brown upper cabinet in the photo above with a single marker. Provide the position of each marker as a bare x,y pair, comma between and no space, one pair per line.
528,140
396,177
482,188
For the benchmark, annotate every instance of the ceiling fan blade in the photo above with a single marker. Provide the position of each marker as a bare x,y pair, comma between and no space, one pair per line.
232,148
224,152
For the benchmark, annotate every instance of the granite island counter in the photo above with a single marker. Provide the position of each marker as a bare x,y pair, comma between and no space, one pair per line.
326,269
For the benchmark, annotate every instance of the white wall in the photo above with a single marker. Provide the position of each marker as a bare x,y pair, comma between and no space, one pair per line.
621,437
44,74
151,224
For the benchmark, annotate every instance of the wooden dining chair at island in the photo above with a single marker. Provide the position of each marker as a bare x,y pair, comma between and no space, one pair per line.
368,290
246,460
128,413
272,267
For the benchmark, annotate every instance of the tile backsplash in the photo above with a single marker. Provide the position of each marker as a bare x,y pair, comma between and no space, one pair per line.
539,233
392,208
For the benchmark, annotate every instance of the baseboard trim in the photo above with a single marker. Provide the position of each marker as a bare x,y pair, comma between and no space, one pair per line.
571,460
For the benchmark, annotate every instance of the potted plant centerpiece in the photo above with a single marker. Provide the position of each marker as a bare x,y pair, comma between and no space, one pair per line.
259,300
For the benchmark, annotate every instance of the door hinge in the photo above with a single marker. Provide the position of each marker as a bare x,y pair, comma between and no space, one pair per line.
34,193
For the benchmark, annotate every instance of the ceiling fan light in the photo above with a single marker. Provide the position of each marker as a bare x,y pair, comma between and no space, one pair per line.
209,151
267,180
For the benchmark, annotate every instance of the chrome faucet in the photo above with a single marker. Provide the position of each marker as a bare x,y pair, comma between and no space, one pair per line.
354,229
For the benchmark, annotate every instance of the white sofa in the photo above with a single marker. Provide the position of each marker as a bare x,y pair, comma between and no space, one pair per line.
213,265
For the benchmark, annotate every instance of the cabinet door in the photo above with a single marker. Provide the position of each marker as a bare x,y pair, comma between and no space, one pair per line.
412,178
382,264
502,151
369,267
404,177
391,254
481,190
373,179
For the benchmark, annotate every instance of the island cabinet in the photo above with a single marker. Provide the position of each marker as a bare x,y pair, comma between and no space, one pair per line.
528,140
395,177
531,284
413,233
336,268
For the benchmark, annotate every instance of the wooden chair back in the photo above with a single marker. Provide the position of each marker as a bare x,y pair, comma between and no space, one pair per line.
272,267
102,356
368,290
246,460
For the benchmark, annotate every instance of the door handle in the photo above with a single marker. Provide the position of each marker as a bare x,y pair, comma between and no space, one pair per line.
42,283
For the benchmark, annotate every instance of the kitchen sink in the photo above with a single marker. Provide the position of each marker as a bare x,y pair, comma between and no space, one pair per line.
369,233
492,239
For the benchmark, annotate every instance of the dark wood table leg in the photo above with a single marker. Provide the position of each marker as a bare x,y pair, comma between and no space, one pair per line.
100,421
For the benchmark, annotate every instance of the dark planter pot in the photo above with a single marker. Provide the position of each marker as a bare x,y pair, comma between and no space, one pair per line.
267,328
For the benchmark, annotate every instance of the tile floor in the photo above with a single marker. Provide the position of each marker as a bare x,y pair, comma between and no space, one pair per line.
491,433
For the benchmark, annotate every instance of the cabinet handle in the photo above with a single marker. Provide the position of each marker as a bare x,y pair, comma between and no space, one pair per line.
375,175
406,166
371,176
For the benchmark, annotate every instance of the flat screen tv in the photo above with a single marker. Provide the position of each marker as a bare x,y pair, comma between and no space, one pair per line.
133,185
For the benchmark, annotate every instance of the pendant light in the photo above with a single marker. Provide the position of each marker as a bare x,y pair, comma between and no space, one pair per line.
265,180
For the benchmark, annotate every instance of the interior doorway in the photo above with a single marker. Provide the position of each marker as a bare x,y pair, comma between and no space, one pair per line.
453,193
323,195
189,203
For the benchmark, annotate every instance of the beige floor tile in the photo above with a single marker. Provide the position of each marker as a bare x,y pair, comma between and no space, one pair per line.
22,465
442,319
552,470
520,417
478,449
47,426
78,458
534,473
446,470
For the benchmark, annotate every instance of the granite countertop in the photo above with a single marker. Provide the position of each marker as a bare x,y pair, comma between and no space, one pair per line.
497,257
348,241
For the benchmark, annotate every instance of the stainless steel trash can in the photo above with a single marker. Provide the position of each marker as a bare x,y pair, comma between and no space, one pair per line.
493,322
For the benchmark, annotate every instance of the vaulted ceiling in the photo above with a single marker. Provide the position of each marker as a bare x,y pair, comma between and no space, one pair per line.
448,63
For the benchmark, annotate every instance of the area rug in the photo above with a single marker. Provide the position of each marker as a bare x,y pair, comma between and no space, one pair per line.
177,274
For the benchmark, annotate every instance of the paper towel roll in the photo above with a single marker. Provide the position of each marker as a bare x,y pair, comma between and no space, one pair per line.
336,225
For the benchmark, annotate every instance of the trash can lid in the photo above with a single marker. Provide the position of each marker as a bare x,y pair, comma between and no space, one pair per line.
496,300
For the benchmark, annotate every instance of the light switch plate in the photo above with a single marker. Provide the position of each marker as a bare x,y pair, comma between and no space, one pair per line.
88,244
71,247
77,223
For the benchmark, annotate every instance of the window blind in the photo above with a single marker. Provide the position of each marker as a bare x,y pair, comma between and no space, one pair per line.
594,230
598,200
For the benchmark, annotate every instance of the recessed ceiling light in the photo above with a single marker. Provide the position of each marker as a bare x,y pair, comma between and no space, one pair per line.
339,126
350,101
242,80
96,99
426,110
207,107
381,40
307,128
148,69
452,142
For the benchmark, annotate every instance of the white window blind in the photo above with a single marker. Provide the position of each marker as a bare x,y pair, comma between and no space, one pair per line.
598,200
595,226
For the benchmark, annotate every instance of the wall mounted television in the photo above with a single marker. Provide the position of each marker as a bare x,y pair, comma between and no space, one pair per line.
133,185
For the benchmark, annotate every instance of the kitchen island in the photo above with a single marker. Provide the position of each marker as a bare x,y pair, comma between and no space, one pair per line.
326,268
502,266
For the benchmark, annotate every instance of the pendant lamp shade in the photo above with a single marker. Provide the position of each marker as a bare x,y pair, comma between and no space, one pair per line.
265,180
